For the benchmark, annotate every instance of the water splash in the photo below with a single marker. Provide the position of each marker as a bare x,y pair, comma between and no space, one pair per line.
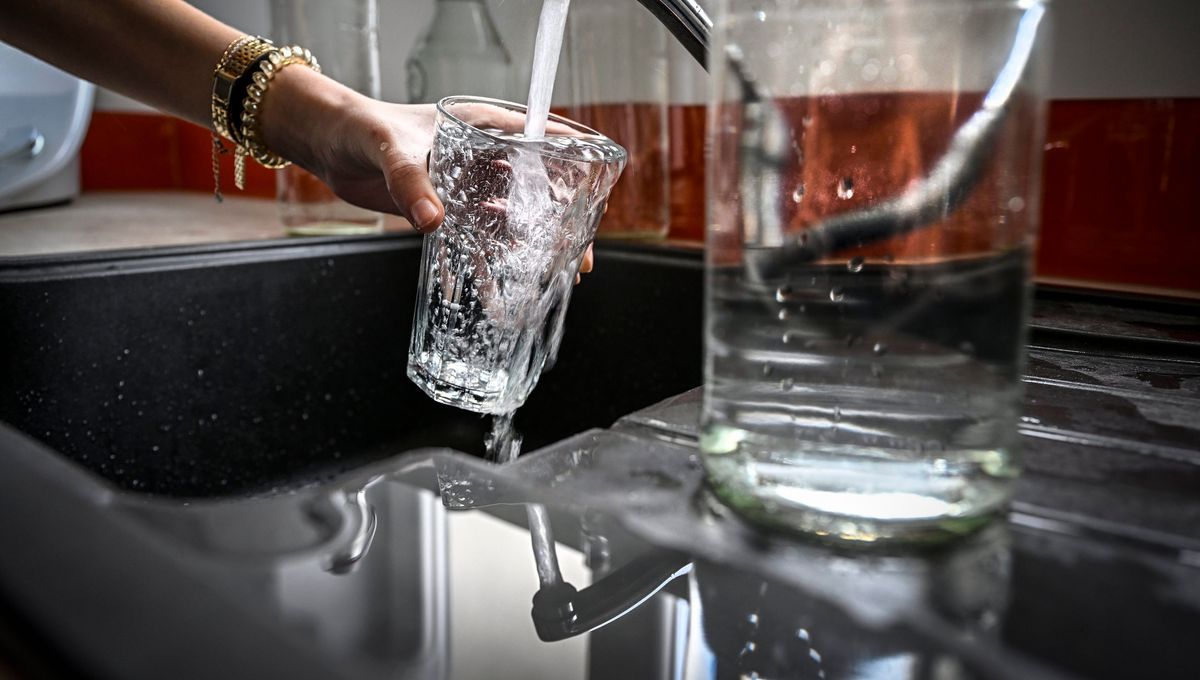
503,443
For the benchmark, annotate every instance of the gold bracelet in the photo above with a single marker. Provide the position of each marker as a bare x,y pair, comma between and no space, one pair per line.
234,61
275,61
238,57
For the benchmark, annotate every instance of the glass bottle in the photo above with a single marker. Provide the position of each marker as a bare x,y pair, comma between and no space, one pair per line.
618,86
460,53
343,34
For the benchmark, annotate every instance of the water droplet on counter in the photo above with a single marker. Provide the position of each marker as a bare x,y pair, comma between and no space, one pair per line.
845,188
783,315
855,264
767,369
879,349
787,384
836,294
783,293
798,194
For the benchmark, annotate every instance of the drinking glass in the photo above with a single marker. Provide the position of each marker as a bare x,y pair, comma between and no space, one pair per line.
496,277
873,204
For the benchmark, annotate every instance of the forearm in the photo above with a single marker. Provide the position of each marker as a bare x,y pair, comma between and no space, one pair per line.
161,52
164,52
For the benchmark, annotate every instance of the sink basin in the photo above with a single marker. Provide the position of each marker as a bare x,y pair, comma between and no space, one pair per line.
224,370
190,379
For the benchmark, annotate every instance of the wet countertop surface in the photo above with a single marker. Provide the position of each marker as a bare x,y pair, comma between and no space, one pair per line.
424,565
115,220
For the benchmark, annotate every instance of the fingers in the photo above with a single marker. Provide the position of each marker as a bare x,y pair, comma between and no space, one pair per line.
588,260
586,265
410,188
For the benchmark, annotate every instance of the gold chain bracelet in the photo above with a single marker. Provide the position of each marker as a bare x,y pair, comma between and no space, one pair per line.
275,61
240,79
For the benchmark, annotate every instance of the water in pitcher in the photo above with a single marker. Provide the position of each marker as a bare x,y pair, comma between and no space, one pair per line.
870,394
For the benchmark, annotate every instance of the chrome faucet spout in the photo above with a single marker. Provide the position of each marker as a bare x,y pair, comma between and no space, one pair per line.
687,21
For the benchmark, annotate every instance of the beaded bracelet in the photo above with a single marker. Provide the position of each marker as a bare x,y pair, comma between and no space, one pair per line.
240,80
274,62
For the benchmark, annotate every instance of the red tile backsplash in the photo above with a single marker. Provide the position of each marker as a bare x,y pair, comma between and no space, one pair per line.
1121,193
148,151
1121,183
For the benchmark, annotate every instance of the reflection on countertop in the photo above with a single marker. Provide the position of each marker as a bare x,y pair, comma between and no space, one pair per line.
233,518
117,220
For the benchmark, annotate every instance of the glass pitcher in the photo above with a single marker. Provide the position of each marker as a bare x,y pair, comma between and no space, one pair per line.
874,186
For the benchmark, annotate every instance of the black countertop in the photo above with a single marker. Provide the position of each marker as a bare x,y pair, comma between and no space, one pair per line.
420,565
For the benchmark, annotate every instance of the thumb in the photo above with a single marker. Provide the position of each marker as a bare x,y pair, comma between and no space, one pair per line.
411,190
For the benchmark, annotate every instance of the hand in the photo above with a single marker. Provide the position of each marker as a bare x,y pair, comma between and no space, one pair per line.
585,267
371,153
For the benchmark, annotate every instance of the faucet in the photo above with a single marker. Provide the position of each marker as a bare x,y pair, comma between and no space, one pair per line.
561,611
687,21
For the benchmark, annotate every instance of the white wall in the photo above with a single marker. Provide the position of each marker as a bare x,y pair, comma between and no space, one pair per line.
1102,48
1126,48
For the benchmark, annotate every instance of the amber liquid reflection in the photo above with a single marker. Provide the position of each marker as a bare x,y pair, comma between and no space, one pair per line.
852,152
1118,180
638,205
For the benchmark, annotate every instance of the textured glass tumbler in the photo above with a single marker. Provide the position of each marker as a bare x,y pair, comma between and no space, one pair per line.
496,277
873,204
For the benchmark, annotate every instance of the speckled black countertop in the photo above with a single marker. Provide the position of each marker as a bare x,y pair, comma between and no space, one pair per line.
416,562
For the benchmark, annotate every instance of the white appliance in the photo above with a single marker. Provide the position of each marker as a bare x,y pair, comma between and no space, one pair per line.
44,115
